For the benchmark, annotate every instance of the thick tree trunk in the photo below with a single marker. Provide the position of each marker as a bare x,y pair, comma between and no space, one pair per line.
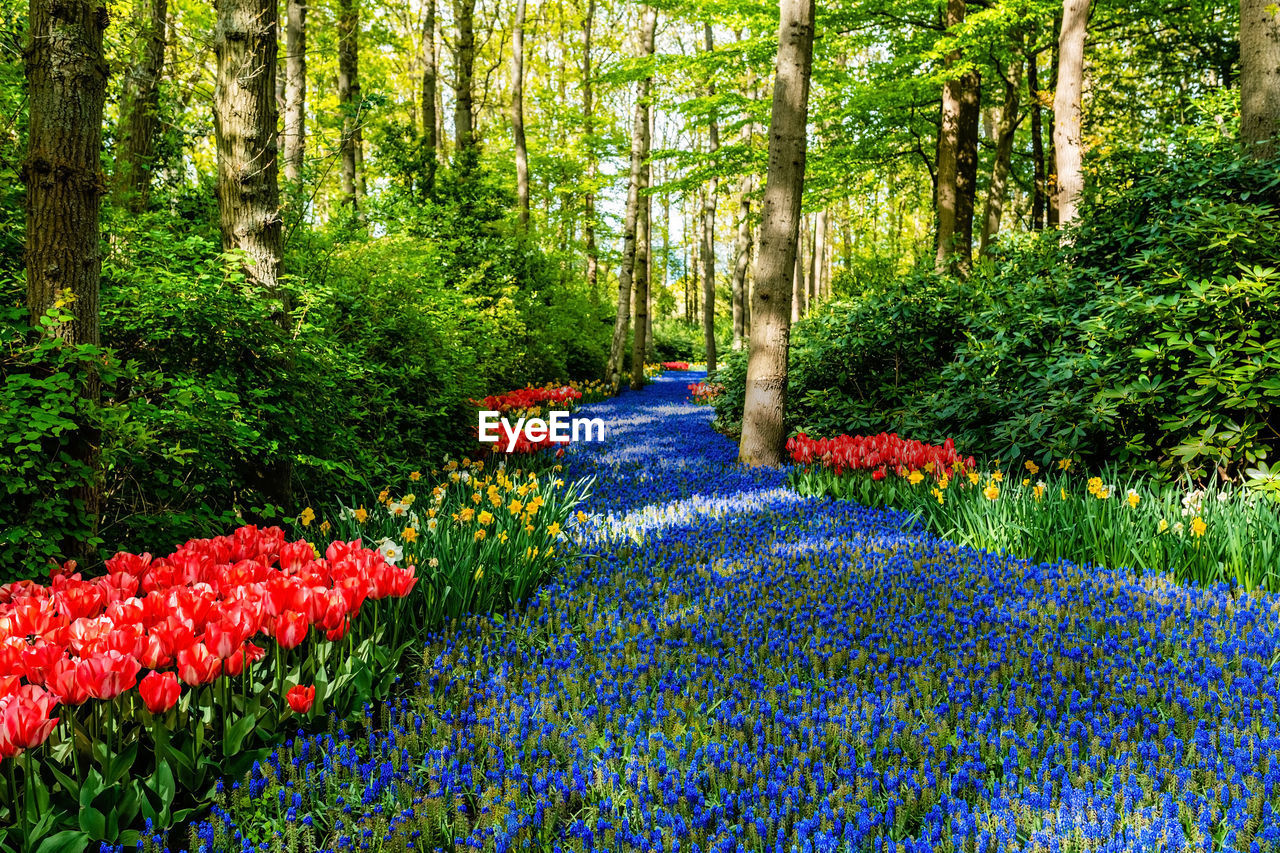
764,415
517,117
644,241
245,117
1067,144
1040,194
635,190
349,102
948,159
295,89
430,81
140,107
1005,130
588,126
742,260
967,168
1260,77
709,234
67,86
464,13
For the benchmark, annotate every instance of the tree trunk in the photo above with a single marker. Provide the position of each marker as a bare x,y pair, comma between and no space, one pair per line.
588,124
66,73
140,108
798,284
636,188
1051,157
709,234
970,94
517,117
429,83
295,90
819,253
464,84
245,118
764,415
1067,144
948,160
1040,195
349,101
639,341
1005,130
1259,77
741,261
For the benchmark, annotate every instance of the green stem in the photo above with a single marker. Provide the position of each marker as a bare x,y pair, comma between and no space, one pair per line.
26,793
13,790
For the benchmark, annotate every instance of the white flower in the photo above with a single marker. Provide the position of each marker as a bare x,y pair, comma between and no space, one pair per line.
1177,527
390,551
398,508
1223,497
466,476
431,525
347,514
433,562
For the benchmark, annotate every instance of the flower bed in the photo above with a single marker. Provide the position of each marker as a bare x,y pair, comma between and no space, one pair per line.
127,745
1198,535
761,671
705,393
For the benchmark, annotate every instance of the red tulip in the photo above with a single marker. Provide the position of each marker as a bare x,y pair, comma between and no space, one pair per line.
107,675
301,698
25,722
64,682
241,657
38,661
159,691
198,665
154,654
222,639
291,629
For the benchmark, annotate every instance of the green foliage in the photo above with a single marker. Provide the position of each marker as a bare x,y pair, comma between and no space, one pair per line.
1147,336
213,413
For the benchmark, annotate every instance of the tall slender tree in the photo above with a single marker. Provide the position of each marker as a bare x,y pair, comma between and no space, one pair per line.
817,255
709,230
295,89
741,260
140,107
952,158
464,61
764,414
1067,108
1040,185
1260,77
67,87
635,190
1006,128
245,117
643,274
588,128
517,116
349,102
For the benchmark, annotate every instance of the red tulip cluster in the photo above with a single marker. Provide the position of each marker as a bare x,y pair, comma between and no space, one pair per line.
705,393
188,618
675,365
879,453
523,399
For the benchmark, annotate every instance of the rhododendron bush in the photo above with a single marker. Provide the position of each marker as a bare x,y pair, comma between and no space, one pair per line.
123,696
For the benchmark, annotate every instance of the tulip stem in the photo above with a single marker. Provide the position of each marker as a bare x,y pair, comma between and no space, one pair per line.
13,793
26,792
75,747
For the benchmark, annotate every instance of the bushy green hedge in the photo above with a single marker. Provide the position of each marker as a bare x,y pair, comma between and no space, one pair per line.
1148,335
213,414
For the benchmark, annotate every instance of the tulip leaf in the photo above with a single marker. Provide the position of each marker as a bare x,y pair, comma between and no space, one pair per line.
240,729
68,839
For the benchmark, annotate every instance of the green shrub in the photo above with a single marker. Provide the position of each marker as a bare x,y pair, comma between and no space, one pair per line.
1147,336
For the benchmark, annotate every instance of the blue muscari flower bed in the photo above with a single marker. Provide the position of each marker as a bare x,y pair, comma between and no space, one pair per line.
738,668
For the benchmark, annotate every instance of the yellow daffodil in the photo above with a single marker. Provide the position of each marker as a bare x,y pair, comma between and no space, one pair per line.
1162,526
1026,481
1133,498
451,465
410,534
466,514
415,476
384,496
1198,527
915,478
514,507
937,493
974,478
554,529
997,477
479,573
1038,491
582,517
1032,468
991,492
480,534
1065,464
1095,485
307,516
324,526
485,517
361,515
